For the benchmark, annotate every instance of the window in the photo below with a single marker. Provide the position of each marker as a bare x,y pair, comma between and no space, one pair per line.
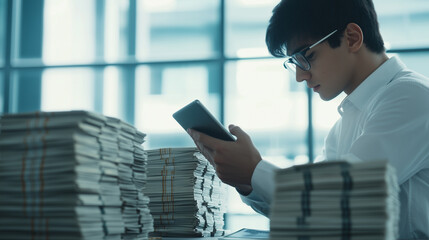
268,106
141,60
3,26
163,89
177,29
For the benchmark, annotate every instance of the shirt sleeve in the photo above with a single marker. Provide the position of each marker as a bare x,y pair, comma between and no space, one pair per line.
263,188
396,130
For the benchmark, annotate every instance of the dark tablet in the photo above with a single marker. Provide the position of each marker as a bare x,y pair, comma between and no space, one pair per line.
196,116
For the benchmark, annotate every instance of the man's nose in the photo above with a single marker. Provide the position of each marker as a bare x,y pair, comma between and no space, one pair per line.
302,75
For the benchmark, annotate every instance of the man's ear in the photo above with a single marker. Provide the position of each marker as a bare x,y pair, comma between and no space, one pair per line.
354,37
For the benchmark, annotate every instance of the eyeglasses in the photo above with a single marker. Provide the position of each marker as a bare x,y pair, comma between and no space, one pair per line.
299,59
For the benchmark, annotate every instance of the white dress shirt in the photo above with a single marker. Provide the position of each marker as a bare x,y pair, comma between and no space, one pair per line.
385,117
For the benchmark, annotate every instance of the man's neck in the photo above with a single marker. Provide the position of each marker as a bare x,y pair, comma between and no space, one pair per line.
368,63
371,63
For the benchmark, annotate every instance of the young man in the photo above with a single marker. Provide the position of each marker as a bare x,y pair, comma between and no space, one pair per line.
335,46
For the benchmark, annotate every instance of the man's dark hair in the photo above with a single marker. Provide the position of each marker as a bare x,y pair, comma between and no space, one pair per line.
313,19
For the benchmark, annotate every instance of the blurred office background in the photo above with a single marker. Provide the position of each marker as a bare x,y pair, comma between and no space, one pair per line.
141,60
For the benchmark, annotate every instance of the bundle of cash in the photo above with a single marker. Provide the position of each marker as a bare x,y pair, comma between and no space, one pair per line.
62,177
336,200
185,194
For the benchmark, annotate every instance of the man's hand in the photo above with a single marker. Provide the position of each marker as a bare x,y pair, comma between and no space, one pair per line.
234,161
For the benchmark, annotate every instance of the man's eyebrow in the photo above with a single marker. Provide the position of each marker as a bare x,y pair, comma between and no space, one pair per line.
300,48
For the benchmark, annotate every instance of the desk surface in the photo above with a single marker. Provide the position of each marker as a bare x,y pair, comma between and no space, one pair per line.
244,233
193,238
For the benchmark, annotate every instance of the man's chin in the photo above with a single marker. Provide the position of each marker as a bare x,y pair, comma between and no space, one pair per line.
327,97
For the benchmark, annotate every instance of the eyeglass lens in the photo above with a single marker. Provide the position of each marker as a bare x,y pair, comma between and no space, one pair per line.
302,62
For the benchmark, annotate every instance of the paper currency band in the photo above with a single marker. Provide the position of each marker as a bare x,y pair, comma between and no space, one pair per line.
167,198
305,204
33,191
344,202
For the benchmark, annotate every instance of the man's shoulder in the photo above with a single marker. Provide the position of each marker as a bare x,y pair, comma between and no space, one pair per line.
407,92
409,78
406,84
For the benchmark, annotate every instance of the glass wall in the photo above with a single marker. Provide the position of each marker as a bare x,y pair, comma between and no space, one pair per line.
245,25
403,23
177,29
3,25
265,103
141,60
163,89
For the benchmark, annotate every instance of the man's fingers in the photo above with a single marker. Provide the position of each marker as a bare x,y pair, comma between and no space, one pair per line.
205,139
207,152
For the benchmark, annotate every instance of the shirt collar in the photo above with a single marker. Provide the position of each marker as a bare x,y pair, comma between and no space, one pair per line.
380,77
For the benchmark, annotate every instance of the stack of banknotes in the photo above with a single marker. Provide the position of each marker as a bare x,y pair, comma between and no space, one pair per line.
72,175
336,200
185,194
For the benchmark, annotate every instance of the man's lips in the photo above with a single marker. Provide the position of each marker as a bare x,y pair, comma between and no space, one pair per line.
315,87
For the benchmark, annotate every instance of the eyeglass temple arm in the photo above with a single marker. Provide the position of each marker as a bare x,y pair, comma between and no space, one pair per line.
323,39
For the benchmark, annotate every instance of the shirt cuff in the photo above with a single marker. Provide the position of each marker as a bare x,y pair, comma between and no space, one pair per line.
263,181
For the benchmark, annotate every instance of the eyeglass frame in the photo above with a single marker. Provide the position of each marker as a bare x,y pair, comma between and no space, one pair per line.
291,63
